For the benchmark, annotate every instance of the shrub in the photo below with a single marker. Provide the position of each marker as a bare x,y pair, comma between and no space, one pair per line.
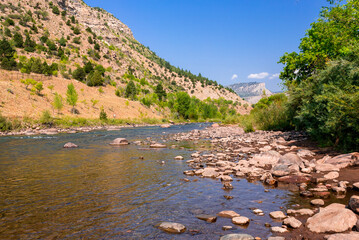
103,114
46,118
79,74
5,124
56,10
94,79
131,90
18,40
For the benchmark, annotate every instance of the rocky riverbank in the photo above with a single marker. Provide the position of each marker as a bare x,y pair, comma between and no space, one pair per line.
283,158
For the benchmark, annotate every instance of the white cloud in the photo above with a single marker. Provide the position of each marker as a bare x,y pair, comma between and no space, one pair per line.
258,75
235,76
276,75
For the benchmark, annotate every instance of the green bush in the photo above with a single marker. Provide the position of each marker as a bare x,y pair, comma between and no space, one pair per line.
103,114
46,118
131,91
5,124
94,79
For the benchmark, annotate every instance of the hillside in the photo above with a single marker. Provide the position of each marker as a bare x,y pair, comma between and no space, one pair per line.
68,41
251,91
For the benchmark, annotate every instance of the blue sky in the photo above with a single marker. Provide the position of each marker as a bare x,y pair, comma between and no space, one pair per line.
228,41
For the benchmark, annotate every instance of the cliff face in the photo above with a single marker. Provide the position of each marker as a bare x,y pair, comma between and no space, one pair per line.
252,91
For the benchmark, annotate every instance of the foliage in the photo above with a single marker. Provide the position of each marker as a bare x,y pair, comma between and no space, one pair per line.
46,118
94,79
18,40
103,114
161,93
71,95
58,105
130,91
6,55
5,124
79,74
56,10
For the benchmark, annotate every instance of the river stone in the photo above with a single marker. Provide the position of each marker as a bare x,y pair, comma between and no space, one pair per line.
331,175
341,161
228,214
279,229
207,218
294,179
119,142
240,220
158,145
276,238
305,153
333,218
277,215
303,211
226,228
354,203
291,159
179,158
356,186
226,178
326,167
343,236
70,145
270,157
210,173
172,227
317,202
237,236
292,222
165,125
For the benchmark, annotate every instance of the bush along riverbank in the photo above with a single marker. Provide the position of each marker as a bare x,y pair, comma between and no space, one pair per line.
322,179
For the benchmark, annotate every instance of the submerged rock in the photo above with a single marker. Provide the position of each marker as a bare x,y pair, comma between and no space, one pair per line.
333,218
70,145
119,142
236,236
207,218
157,145
172,227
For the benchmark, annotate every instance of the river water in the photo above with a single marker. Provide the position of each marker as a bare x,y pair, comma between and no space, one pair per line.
98,191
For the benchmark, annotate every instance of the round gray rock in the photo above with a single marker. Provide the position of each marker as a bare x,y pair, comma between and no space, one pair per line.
354,203
235,236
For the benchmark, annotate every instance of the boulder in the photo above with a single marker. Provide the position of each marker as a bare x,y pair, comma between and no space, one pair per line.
277,215
294,179
341,161
228,214
343,236
305,153
237,236
333,218
157,145
303,211
70,145
326,167
317,202
354,203
270,157
165,125
356,186
292,222
119,142
331,175
291,159
179,158
210,173
279,229
240,220
207,218
172,227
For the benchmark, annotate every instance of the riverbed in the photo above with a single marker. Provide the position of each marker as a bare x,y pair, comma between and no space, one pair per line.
98,191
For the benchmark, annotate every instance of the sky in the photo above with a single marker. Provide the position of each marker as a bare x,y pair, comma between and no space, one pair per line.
229,41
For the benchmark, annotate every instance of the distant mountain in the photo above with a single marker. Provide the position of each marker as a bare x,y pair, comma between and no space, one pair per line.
251,91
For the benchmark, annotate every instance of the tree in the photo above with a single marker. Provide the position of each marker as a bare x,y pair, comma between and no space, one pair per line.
88,67
56,10
39,87
182,103
62,41
6,55
131,90
58,105
161,93
18,40
29,44
79,74
71,96
94,79
97,47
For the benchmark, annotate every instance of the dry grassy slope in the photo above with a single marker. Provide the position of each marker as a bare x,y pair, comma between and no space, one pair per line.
21,103
114,33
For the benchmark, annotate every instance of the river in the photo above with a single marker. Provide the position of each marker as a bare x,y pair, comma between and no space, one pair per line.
98,191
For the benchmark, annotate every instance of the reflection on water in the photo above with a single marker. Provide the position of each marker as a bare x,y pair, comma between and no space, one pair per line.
102,192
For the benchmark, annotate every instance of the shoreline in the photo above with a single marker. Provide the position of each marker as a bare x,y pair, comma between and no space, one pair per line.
286,160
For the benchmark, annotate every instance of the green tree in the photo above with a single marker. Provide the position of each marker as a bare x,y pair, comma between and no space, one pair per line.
94,79
18,40
29,44
183,101
58,105
131,90
79,74
56,10
161,93
88,67
39,87
71,96
6,55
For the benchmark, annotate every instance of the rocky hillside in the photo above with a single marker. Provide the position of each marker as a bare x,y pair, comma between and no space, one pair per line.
67,39
251,91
